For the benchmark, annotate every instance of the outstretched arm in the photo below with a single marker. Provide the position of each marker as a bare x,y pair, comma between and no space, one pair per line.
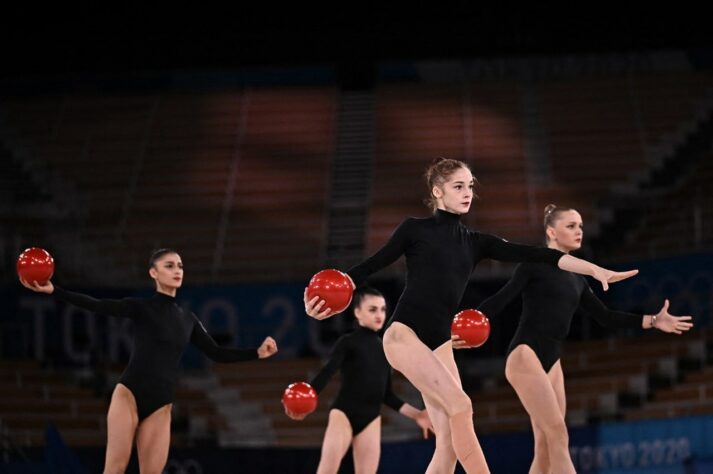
663,321
125,308
495,304
325,374
500,249
207,345
335,362
583,267
388,254
608,318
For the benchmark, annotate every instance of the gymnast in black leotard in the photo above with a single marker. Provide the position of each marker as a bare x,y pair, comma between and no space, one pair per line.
550,297
142,400
366,378
365,384
441,254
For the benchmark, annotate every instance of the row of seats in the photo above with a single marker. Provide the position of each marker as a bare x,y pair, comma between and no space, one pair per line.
632,378
31,397
225,176
239,179
677,221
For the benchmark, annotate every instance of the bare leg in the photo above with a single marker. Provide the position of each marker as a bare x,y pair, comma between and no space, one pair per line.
366,448
407,354
444,457
525,373
337,439
153,439
121,423
541,461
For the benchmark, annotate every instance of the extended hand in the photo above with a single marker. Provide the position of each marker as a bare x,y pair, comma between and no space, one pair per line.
313,308
457,342
267,348
36,287
607,276
672,324
424,422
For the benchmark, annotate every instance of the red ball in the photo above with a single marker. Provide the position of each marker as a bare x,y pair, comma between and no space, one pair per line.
35,264
472,326
334,287
300,398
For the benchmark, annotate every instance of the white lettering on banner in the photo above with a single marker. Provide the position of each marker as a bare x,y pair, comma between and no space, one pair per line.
586,458
185,466
77,355
628,454
284,306
38,307
601,459
649,453
121,335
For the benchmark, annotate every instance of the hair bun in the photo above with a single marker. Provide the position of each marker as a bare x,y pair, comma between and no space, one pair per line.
550,208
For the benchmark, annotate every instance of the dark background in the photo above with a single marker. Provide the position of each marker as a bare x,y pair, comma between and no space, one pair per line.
77,40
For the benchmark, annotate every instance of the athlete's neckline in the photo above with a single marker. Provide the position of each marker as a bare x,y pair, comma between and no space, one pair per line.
366,329
445,216
164,297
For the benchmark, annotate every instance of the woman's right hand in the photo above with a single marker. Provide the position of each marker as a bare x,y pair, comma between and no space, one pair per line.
313,308
36,287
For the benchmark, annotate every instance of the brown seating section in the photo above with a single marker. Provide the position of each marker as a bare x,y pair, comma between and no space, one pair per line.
155,170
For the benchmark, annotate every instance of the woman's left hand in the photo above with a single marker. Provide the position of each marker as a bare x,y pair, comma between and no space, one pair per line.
267,348
672,324
424,422
457,342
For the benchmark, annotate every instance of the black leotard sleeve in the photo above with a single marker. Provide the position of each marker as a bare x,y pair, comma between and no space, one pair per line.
607,317
498,248
202,340
390,398
125,308
495,304
332,366
388,254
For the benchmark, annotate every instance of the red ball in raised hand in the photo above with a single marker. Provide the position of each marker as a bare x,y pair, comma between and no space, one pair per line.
472,326
35,265
300,398
334,287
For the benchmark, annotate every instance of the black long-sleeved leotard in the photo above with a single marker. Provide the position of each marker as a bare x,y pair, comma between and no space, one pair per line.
162,333
366,378
550,297
441,253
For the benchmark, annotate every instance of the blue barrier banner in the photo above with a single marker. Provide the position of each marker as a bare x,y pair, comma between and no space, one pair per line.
672,446
646,447
42,327
686,281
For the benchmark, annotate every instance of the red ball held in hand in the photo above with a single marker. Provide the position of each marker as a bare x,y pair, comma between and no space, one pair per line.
472,326
35,265
334,287
300,398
